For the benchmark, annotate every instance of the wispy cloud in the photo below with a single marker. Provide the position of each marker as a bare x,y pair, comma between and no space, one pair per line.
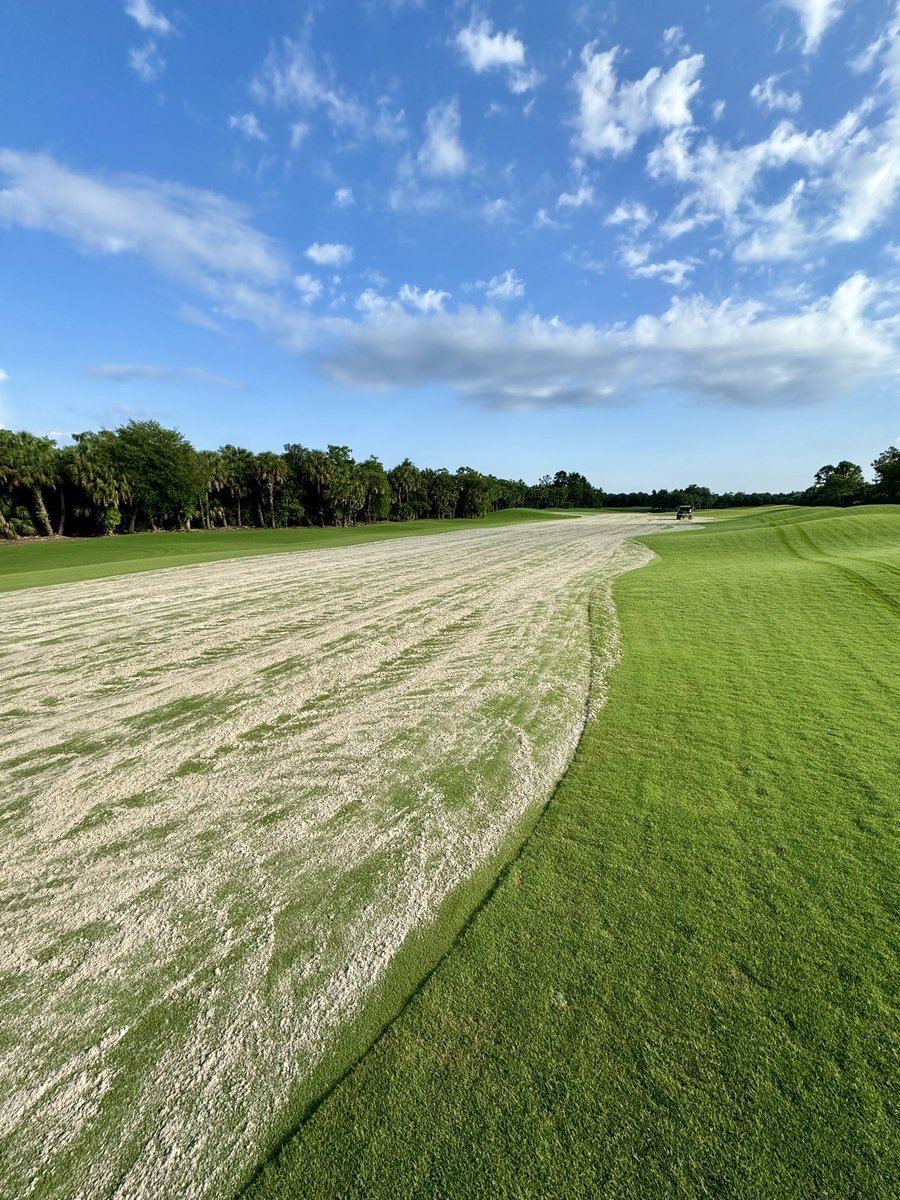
635,214
442,152
128,372
815,18
185,232
248,125
584,196
771,97
507,286
198,238
308,286
148,17
146,61
292,79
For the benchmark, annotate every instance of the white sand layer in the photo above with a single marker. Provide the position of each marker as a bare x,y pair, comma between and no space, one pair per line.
229,792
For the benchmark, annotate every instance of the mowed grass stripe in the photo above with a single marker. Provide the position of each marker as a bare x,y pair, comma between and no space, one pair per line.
43,563
687,984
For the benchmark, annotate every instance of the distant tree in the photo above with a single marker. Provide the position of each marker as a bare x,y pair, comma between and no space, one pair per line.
163,472
213,477
31,463
237,465
408,496
7,476
270,471
442,492
887,476
839,485
90,466
377,490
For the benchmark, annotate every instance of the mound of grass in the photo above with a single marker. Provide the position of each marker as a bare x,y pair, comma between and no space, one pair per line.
686,984
40,563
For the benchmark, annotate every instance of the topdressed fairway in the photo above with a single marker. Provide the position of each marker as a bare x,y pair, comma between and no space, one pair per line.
686,985
232,793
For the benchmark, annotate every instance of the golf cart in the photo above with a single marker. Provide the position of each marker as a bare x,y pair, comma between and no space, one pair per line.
684,512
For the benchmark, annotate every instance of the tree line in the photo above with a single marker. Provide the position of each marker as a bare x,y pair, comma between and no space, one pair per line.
144,476
838,485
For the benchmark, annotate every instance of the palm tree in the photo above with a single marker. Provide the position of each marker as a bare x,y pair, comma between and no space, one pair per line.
7,530
317,472
89,465
238,471
34,466
269,470
213,476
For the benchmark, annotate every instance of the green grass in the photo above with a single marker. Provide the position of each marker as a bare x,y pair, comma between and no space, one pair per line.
41,563
686,985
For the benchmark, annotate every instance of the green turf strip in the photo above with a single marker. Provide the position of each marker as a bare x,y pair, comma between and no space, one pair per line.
39,562
686,985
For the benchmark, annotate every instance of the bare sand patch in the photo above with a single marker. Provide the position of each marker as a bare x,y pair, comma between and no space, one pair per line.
229,793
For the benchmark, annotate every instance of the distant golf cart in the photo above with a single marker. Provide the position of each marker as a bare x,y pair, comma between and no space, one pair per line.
684,512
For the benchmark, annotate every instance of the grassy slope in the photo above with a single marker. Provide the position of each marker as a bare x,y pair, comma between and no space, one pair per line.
686,985
39,563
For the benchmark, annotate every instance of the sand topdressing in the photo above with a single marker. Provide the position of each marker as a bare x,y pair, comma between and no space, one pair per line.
229,793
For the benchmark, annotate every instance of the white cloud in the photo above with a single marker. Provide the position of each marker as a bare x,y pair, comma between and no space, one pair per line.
507,286
718,110
196,237
543,220
425,302
635,214
330,254
769,96
730,353
815,17
149,18
484,50
674,271
584,195
496,210
442,152
188,233
308,286
146,62
299,130
850,167
202,319
613,115
675,41
779,234
289,78
371,301
344,198
126,372
248,125
3,376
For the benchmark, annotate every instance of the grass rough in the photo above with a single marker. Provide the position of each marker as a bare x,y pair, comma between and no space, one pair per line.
42,562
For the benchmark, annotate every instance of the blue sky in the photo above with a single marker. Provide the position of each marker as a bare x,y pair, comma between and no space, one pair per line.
653,242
